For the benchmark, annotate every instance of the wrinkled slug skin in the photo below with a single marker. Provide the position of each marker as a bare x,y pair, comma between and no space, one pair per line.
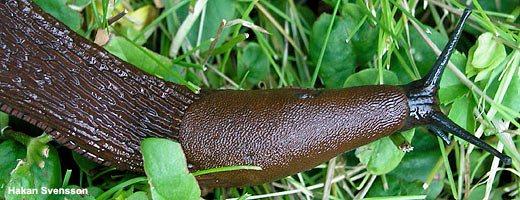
86,98
102,107
285,131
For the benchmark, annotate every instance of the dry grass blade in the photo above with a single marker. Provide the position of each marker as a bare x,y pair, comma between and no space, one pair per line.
276,194
364,192
214,42
279,27
246,24
185,27
328,179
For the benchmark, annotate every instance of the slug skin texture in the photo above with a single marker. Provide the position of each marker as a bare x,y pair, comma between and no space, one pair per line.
285,131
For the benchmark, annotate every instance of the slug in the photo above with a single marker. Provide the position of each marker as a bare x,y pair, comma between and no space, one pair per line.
102,107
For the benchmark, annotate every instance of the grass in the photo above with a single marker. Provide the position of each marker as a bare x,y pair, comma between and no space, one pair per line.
332,44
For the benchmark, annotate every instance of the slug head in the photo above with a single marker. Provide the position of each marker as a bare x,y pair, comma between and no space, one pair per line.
423,102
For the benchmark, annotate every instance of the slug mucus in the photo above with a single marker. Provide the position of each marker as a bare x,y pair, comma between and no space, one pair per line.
102,107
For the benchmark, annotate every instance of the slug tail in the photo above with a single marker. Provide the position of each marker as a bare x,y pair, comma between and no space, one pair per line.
423,102
86,98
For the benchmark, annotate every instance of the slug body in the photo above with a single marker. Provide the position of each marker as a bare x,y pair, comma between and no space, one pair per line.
102,107
285,131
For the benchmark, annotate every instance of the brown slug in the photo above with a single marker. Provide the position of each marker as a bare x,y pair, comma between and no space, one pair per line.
102,107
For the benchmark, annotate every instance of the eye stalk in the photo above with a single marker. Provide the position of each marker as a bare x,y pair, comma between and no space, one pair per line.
423,102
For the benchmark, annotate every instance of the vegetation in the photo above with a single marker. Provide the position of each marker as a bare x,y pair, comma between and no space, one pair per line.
279,43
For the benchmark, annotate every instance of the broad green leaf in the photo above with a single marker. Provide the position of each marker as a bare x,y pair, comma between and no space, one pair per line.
370,77
125,50
306,13
413,170
50,175
475,158
216,11
479,192
84,163
451,87
339,60
364,41
138,196
62,12
30,176
479,60
4,120
462,114
141,17
423,55
381,156
165,167
78,2
10,151
94,191
256,62
416,165
21,183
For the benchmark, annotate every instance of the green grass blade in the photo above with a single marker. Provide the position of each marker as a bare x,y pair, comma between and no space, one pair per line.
324,47
120,186
223,169
449,173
